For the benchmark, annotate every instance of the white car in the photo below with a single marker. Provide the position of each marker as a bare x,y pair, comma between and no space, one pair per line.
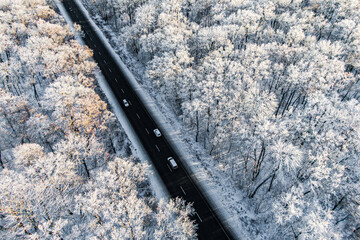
157,132
126,103
172,163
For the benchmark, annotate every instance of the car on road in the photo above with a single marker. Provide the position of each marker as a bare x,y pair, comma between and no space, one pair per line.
126,103
172,163
157,132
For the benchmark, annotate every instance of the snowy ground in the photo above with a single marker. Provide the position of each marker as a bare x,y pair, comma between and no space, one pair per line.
233,205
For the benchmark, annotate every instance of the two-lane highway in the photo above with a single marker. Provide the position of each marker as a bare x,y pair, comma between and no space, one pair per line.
178,182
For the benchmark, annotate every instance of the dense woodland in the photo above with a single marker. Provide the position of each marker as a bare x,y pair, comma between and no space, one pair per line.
270,88
66,169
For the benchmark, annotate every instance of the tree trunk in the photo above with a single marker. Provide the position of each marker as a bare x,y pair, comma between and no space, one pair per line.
280,103
352,84
49,145
271,182
197,126
298,100
212,149
86,169
208,123
296,236
1,162
257,167
112,145
287,104
257,188
36,95
338,203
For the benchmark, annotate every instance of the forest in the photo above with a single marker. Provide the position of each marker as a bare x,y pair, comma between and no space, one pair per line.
270,89
66,167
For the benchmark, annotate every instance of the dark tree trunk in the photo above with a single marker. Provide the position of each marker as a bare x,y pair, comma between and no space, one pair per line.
197,126
258,162
86,168
338,203
287,105
271,182
257,188
1,162
280,103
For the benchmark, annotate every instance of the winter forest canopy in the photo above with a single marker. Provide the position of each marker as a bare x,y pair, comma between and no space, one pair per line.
65,165
270,88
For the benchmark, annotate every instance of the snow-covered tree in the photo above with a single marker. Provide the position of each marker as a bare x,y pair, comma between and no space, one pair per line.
270,89
59,144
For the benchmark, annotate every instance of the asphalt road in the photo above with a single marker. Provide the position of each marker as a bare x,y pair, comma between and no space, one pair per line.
178,182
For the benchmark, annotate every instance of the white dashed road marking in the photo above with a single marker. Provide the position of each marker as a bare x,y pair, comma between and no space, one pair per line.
198,216
183,190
